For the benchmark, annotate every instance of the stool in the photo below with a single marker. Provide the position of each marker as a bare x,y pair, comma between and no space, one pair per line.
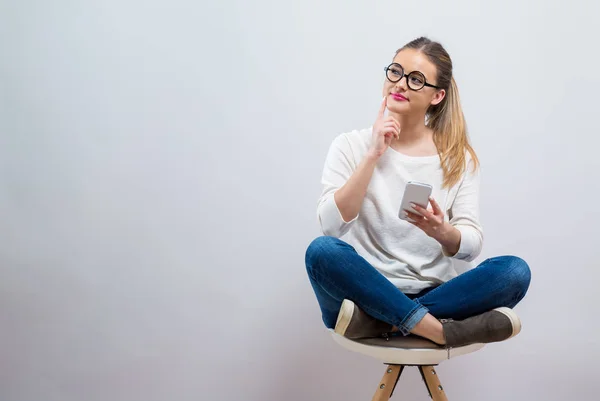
398,352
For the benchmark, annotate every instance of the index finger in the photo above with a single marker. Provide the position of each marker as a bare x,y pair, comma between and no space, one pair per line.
383,106
425,212
436,208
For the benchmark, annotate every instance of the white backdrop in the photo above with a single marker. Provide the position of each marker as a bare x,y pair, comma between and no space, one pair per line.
159,170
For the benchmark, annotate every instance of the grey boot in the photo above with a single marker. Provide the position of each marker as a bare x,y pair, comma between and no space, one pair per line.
496,325
354,323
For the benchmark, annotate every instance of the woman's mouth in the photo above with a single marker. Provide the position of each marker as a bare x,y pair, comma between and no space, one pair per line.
398,97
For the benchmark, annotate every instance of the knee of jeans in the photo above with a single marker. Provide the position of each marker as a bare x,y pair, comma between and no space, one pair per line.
316,249
319,247
519,274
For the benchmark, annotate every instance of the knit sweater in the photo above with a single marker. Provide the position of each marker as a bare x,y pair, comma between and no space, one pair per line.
400,251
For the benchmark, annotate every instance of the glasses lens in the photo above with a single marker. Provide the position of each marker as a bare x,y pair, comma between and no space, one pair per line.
416,80
394,72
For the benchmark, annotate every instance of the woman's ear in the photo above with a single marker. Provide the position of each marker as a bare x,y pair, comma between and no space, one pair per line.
438,97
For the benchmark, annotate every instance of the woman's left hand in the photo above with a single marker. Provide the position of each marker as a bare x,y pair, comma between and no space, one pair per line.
431,222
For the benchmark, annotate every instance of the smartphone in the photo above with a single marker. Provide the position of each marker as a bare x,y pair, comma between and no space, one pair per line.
417,193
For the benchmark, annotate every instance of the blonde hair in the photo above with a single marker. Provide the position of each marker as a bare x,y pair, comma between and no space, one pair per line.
446,119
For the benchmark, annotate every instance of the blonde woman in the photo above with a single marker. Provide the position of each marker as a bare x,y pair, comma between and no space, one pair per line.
374,273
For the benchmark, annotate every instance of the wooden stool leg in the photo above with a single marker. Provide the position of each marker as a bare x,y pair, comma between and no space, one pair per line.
388,383
430,377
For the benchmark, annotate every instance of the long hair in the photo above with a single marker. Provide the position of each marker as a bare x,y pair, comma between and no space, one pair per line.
446,119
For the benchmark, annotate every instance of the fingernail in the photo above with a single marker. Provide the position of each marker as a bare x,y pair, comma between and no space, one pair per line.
413,205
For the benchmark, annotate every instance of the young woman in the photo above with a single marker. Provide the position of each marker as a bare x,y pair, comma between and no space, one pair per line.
374,273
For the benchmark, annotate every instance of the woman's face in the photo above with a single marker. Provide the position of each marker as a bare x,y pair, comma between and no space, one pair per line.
403,100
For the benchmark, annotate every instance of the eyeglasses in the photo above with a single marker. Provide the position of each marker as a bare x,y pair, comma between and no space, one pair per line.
415,80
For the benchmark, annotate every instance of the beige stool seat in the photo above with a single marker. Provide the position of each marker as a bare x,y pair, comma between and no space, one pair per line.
400,351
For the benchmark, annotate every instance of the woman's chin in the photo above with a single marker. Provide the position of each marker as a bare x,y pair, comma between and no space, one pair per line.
399,108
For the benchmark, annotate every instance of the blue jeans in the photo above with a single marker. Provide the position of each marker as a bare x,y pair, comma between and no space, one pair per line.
337,272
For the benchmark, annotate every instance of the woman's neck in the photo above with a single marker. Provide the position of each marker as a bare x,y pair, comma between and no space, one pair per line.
412,130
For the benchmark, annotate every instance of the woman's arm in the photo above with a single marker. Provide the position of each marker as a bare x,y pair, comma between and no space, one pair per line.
350,196
464,218
450,240
344,187
462,236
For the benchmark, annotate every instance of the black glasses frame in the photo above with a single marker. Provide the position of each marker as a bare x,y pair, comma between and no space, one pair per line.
413,73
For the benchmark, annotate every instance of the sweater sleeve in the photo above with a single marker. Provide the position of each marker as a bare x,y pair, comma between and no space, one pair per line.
339,166
464,215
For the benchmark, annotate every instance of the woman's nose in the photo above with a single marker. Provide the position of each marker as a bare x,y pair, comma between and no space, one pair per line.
401,85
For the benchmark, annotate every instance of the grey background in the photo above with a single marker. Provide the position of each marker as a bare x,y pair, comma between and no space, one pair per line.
159,172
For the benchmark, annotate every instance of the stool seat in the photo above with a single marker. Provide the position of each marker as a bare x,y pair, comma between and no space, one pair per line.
404,350
401,351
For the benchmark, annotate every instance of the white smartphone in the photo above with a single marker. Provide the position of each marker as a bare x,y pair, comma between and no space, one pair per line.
417,193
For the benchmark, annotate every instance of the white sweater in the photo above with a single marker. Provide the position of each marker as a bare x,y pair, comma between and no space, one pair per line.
403,253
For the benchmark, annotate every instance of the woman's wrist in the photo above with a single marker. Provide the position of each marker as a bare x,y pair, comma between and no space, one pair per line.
449,238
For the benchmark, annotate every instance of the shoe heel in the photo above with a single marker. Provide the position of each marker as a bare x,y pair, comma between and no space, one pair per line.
514,319
344,317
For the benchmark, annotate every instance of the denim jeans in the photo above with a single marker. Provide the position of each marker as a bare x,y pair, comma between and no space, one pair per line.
337,272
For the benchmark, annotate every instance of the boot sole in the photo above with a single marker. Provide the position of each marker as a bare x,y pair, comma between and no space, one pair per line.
514,320
344,317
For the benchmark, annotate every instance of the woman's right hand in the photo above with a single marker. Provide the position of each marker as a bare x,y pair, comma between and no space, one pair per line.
384,130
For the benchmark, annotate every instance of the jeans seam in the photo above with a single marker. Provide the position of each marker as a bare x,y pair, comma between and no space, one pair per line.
418,300
438,287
